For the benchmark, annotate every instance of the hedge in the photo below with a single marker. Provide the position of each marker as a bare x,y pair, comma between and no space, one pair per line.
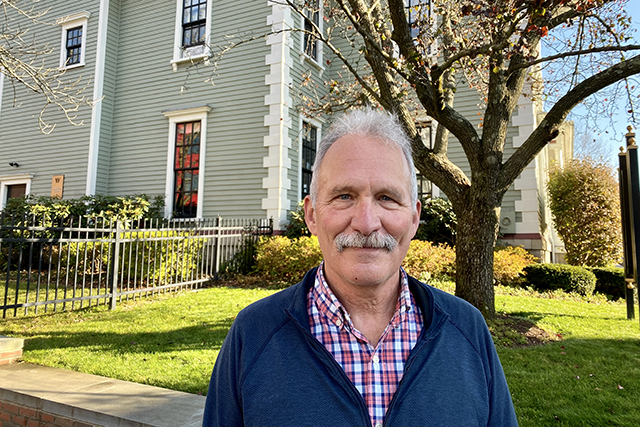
610,281
548,277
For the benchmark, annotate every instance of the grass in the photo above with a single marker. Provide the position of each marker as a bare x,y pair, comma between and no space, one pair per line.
169,341
589,377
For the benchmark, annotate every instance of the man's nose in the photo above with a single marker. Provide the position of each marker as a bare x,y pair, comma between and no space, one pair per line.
366,218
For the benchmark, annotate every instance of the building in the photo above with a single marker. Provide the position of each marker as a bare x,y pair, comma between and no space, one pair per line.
217,138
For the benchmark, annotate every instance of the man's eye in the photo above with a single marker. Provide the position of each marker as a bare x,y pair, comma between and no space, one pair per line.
386,198
344,197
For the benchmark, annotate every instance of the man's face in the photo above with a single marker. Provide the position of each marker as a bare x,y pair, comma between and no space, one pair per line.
363,187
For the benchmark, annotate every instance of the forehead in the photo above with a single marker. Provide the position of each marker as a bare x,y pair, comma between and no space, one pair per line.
356,158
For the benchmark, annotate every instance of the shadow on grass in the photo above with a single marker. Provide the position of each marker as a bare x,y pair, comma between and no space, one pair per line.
199,337
538,315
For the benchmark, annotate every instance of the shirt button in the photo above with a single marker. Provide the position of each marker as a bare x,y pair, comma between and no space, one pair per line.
376,359
339,323
379,425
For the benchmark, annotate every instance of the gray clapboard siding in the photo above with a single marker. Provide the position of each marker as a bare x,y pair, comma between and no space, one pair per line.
20,138
235,132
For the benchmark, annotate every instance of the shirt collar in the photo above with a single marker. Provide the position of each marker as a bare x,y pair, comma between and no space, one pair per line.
329,305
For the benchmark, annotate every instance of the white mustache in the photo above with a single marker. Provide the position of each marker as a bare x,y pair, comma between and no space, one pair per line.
359,240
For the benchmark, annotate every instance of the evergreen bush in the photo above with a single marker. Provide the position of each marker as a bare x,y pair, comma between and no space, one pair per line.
549,277
437,222
610,281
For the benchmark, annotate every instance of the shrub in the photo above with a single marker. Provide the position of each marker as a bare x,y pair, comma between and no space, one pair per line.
425,260
509,263
437,222
159,263
297,226
133,207
610,281
585,204
287,260
568,278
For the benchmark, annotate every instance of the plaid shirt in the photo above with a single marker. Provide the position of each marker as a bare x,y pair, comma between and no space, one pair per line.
376,372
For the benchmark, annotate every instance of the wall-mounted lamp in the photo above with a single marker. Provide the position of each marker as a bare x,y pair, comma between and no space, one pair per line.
14,165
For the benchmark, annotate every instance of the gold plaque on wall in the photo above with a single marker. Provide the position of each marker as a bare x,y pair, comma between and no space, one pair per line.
57,184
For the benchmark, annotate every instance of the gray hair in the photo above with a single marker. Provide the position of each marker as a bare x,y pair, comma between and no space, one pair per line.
375,123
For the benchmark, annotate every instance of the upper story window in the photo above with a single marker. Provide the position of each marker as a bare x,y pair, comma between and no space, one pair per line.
193,29
311,46
74,39
74,46
194,22
309,144
417,12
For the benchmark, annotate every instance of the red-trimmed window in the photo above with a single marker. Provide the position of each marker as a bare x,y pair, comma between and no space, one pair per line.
186,169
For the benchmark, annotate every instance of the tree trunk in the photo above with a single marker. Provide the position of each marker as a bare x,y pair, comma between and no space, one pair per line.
477,230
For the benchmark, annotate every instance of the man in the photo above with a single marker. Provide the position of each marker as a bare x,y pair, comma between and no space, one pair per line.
358,342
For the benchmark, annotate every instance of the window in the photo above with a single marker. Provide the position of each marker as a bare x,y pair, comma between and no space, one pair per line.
74,35
185,162
311,22
193,27
194,22
74,46
14,186
309,144
424,187
417,12
186,170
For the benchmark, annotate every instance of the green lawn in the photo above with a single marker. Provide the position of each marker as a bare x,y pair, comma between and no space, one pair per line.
589,378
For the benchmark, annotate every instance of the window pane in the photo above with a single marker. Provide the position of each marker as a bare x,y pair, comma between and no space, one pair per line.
194,181
178,162
17,190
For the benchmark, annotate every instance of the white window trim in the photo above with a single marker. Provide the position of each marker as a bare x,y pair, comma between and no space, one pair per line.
68,22
179,55
318,125
180,116
318,62
8,180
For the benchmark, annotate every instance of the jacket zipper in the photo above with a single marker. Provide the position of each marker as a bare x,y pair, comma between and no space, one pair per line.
335,366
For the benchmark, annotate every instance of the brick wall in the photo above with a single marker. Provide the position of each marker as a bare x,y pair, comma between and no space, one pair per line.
14,415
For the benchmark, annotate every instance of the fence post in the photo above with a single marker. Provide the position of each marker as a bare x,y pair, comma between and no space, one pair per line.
633,194
627,238
116,261
218,244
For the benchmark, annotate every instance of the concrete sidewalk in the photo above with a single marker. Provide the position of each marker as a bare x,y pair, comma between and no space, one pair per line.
97,400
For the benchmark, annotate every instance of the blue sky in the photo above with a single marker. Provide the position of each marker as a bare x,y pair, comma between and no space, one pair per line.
613,137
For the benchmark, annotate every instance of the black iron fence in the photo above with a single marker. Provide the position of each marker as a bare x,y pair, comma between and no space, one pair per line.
78,262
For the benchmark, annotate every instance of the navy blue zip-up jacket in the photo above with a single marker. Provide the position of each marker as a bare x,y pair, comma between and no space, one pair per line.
271,371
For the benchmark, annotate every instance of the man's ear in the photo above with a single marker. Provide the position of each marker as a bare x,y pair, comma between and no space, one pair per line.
310,215
415,221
